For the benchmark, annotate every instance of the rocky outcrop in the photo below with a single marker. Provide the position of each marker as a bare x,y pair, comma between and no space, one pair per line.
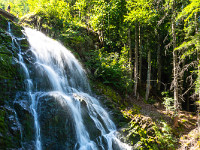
56,123
10,83
7,15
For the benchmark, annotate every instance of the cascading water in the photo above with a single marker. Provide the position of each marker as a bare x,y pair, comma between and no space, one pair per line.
65,114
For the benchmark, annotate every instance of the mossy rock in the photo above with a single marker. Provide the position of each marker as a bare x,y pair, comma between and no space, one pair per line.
8,50
16,29
11,81
4,140
4,23
111,94
9,129
112,101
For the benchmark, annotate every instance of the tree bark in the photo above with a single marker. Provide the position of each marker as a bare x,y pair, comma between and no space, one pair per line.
148,76
158,64
130,52
140,57
181,97
136,60
175,67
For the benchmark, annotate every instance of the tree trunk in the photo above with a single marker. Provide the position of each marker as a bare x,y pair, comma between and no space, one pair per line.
148,76
130,52
158,64
79,14
181,97
175,68
136,60
140,57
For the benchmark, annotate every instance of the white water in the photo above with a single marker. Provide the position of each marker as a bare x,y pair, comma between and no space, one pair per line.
67,81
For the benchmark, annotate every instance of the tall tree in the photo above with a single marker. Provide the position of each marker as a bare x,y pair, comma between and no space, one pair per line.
138,13
198,68
140,56
175,63
158,62
191,44
136,60
130,51
148,73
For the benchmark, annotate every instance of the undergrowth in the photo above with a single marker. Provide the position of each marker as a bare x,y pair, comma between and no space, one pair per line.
144,133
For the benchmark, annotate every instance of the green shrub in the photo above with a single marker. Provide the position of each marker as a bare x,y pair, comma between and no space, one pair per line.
168,102
112,68
151,136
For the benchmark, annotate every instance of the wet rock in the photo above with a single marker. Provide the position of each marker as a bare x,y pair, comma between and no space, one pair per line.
11,82
22,107
93,131
9,129
56,123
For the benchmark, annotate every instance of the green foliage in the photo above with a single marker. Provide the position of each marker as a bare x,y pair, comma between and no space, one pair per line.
151,101
134,110
151,136
111,94
188,12
168,102
147,134
141,11
197,83
18,7
55,13
112,68
197,91
164,136
107,18
190,47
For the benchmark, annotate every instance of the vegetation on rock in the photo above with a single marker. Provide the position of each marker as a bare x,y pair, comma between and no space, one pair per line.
11,81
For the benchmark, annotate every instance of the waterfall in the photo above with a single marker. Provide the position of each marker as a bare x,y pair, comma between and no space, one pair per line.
65,114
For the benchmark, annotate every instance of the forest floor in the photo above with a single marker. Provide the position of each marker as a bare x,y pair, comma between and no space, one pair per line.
187,132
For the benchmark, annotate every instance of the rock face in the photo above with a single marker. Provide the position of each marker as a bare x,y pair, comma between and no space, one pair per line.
56,123
10,83
25,119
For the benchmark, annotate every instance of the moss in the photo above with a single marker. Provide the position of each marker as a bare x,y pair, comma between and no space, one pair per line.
16,29
111,94
2,124
5,140
7,51
129,113
11,81
4,22
112,100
